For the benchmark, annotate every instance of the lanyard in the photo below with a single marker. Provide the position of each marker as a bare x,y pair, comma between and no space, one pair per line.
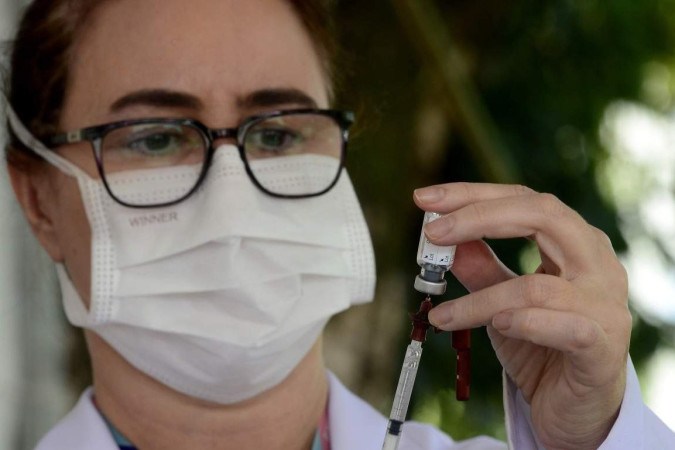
324,430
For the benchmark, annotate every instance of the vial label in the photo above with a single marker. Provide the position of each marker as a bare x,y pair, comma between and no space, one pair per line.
437,255
429,253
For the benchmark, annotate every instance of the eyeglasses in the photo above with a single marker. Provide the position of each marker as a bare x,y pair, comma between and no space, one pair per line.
309,144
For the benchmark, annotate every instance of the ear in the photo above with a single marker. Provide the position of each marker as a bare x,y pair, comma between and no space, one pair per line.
31,188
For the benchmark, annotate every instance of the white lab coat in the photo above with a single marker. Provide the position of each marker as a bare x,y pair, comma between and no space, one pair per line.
355,425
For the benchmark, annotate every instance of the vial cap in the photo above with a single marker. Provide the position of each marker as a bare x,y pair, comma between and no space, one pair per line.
430,287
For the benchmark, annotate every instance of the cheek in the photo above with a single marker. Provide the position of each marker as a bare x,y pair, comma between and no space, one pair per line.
73,232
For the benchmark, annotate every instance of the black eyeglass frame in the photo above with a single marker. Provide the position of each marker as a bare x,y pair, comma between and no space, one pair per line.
95,135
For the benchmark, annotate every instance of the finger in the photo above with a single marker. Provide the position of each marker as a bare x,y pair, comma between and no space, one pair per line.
528,291
444,198
558,230
566,331
603,239
476,266
581,339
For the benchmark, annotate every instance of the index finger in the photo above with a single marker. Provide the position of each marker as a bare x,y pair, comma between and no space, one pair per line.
445,198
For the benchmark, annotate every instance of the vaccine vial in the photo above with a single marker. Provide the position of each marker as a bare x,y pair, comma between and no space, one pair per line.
434,260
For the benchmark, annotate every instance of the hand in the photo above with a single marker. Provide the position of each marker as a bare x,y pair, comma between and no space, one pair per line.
562,333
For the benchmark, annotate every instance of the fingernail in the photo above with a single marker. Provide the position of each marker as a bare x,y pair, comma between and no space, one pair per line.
502,321
440,317
428,194
439,227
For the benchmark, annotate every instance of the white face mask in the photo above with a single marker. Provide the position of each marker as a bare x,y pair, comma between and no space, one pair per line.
222,295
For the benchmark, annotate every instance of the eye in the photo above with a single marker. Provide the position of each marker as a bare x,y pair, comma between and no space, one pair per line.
156,142
272,140
152,144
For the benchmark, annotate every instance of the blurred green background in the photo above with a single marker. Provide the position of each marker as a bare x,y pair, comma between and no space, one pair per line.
490,91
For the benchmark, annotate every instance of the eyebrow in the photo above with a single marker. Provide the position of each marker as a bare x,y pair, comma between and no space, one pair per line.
163,98
276,97
159,98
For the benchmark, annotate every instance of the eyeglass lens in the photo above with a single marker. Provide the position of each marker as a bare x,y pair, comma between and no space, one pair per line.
295,154
291,155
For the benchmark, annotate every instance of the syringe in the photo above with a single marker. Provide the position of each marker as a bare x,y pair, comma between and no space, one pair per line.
406,380
434,261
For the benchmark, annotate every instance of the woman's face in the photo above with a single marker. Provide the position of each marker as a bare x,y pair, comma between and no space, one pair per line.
217,61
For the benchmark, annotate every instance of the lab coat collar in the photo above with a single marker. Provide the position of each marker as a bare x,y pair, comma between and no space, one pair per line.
353,422
82,429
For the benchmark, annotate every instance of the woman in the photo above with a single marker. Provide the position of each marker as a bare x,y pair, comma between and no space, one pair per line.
203,261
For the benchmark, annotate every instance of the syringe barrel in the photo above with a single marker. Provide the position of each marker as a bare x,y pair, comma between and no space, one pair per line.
390,442
406,381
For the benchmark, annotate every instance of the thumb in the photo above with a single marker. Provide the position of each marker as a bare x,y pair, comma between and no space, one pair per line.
476,266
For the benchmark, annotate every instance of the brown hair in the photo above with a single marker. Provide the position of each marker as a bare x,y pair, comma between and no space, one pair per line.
40,58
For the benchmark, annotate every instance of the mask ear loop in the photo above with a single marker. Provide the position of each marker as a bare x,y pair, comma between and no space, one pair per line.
30,141
72,302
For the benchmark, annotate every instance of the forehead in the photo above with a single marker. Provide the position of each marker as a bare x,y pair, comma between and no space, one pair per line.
217,50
